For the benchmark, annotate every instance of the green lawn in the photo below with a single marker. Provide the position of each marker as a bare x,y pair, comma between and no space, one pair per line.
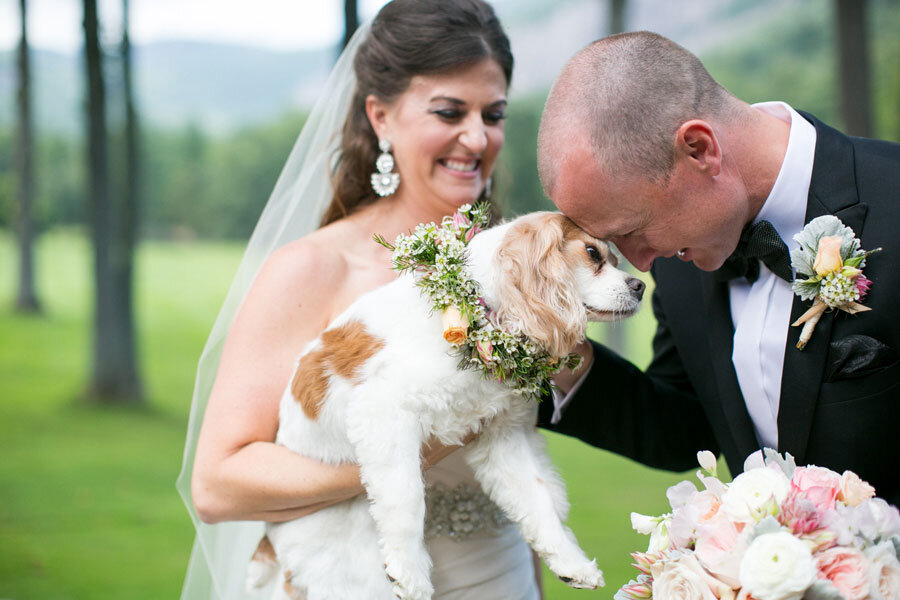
88,507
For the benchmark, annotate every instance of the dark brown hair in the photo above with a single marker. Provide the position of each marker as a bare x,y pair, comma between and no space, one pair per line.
407,38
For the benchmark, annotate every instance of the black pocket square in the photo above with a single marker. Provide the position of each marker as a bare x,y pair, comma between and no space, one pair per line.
858,356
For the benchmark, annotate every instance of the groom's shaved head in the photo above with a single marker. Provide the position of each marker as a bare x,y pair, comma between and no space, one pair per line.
626,95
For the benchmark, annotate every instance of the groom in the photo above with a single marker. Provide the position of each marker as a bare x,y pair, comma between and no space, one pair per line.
639,145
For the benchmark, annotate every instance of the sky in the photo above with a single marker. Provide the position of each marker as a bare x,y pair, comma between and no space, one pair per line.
283,25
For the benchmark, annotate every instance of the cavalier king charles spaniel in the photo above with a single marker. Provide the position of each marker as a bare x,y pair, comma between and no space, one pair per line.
381,381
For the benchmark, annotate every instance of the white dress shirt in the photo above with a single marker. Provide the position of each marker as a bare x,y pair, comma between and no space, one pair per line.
761,312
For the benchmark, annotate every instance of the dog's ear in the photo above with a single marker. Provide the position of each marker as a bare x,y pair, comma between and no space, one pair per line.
537,291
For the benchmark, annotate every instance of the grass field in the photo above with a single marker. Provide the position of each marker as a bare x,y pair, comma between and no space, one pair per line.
88,507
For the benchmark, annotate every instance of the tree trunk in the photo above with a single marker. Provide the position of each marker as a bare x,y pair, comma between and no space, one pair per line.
26,300
853,61
114,377
351,21
616,16
125,232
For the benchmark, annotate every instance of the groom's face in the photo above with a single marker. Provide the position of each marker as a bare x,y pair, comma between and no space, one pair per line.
646,219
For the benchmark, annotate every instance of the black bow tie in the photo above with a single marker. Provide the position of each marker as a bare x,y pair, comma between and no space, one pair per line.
759,242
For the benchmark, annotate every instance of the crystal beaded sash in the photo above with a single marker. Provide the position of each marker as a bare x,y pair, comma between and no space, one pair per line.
460,512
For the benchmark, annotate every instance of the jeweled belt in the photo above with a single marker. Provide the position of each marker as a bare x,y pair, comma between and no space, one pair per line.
460,512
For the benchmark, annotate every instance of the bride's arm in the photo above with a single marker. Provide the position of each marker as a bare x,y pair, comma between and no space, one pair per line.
239,473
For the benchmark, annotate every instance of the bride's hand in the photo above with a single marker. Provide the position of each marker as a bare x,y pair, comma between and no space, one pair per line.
434,452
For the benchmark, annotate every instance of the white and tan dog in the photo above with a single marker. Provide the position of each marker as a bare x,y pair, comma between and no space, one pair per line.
381,380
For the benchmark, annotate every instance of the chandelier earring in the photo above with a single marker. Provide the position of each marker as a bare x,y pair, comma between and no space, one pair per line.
384,182
487,187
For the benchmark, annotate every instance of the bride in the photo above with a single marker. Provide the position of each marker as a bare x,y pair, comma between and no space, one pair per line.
423,91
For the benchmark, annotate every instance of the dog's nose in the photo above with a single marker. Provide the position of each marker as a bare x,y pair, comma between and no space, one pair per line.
636,286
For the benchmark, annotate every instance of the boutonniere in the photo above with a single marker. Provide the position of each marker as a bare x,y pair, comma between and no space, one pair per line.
436,256
829,265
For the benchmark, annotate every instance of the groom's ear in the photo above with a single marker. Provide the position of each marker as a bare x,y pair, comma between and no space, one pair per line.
697,146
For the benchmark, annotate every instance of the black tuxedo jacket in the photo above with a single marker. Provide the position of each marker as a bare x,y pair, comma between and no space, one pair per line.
689,398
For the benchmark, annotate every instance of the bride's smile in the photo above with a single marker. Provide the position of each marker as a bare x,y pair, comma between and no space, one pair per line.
446,131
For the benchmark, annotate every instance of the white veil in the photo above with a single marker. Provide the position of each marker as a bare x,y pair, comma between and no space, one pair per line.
221,552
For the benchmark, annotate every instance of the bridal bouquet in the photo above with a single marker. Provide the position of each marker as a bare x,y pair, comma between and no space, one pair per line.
777,532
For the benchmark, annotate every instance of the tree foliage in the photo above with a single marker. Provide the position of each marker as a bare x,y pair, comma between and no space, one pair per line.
196,184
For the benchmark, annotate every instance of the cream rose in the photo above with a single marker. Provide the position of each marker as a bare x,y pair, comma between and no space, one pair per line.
884,571
854,490
777,566
828,256
752,491
683,578
455,325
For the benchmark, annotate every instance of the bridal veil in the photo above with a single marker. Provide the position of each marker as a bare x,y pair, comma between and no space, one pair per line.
221,552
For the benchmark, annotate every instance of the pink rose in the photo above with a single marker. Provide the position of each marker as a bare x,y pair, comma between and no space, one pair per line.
819,485
854,490
847,569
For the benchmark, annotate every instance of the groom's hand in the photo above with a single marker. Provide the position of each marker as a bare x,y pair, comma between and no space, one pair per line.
567,378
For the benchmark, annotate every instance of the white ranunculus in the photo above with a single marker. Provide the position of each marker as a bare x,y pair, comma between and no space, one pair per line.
752,490
884,571
777,566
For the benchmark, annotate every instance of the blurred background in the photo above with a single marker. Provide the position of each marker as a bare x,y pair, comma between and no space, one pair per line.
139,141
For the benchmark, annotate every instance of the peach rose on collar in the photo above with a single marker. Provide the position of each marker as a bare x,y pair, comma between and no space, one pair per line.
847,569
828,256
455,325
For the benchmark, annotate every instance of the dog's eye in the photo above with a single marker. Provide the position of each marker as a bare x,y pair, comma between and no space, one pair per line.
594,254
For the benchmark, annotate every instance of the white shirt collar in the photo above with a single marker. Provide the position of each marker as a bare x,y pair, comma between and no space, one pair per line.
785,207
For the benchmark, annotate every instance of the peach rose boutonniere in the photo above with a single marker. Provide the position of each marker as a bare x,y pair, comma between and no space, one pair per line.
829,265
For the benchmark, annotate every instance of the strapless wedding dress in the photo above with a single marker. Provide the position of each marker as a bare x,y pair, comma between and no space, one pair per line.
477,553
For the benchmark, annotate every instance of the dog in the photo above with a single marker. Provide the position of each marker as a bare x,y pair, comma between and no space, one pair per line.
381,380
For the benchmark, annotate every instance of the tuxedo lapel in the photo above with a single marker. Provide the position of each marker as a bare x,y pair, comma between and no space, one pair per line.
832,191
720,332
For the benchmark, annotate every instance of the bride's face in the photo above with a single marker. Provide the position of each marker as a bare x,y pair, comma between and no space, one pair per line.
445,131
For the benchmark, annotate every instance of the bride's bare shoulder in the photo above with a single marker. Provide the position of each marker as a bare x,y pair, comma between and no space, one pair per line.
311,264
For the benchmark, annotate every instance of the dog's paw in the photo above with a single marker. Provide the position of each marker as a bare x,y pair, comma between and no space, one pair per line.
408,586
585,575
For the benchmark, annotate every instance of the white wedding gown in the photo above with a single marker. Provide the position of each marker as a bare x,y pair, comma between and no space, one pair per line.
491,561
